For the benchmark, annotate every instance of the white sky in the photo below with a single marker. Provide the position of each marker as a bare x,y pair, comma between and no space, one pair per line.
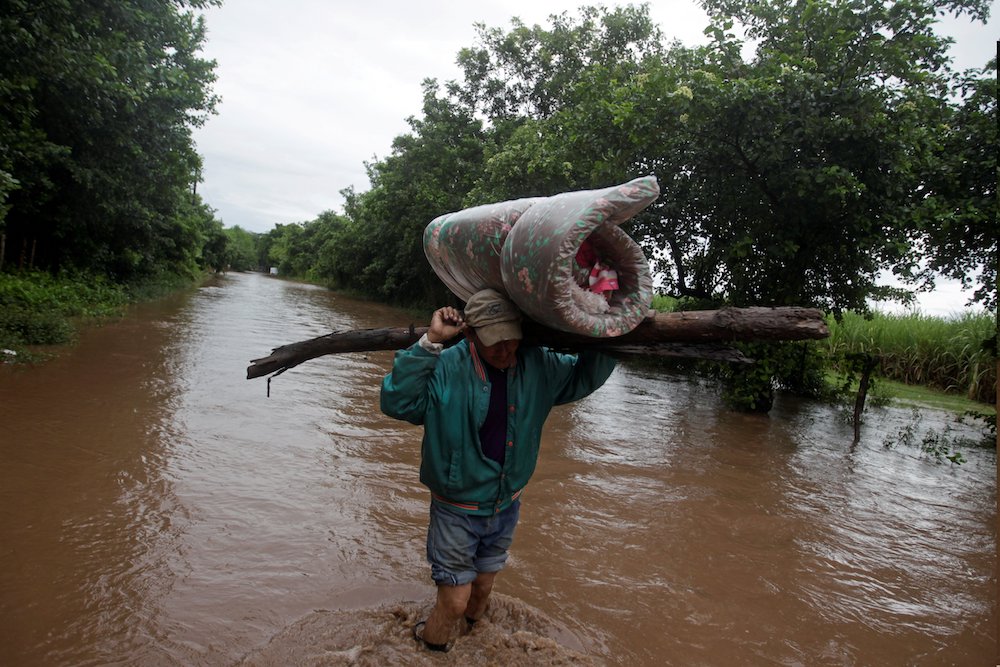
311,89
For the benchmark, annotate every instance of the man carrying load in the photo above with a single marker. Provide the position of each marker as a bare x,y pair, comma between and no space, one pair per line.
482,403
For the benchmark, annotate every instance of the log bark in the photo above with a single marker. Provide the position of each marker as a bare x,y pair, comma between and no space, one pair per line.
700,334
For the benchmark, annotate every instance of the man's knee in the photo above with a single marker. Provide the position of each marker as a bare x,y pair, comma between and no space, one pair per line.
453,599
483,583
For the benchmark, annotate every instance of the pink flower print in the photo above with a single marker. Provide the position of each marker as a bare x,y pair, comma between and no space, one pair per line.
525,279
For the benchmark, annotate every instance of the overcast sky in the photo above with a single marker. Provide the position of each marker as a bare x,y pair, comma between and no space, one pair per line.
311,89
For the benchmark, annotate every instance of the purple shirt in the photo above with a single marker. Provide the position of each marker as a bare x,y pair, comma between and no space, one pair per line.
493,434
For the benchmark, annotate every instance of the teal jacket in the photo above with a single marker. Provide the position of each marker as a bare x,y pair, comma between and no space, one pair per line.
450,395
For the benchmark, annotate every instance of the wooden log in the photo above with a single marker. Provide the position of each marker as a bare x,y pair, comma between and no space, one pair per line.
687,334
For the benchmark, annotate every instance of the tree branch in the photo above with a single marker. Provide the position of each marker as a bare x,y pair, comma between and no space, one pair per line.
697,334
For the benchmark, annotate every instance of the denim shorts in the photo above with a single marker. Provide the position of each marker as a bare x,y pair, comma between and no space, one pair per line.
459,546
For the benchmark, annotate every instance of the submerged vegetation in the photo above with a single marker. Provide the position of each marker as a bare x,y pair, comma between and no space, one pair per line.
39,308
940,445
946,363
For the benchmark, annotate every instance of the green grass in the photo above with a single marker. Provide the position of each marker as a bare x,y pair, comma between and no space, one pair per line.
905,395
951,355
664,304
40,309
908,395
923,360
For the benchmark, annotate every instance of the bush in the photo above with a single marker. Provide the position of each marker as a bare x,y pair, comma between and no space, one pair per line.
37,308
21,326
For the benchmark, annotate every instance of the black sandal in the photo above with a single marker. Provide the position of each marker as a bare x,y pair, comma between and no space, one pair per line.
442,648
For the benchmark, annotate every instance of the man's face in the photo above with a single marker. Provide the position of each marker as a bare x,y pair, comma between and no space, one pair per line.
501,355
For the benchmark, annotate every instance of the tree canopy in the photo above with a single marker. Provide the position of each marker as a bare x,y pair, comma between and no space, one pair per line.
840,147
97,163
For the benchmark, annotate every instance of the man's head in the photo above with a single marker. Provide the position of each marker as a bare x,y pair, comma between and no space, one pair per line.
496,326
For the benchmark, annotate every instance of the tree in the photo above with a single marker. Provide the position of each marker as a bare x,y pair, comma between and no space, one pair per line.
97,103
794,178
532,71
957,224
240,249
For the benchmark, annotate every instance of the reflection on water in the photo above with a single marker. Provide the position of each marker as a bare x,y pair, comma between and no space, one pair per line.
158,508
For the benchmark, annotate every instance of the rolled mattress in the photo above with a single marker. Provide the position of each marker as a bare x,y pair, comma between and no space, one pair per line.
545,252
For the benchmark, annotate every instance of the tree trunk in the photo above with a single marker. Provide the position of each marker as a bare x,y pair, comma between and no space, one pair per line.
688,334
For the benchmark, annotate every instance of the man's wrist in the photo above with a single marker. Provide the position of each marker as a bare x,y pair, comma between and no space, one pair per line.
427,344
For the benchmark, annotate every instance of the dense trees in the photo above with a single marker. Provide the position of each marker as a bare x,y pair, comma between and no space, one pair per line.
97,163
957,223
843,148
792,178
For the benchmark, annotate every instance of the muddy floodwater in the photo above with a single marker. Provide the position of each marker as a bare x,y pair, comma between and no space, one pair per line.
157,508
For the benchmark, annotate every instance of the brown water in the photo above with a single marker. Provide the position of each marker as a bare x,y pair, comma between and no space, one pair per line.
156,508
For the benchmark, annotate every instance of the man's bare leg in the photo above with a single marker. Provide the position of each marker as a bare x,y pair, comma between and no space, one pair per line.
481,588
451,603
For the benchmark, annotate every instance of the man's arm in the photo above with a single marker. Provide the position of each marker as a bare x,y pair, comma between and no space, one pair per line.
406,390
578,375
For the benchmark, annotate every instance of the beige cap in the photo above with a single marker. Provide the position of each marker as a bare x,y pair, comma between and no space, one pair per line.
493,317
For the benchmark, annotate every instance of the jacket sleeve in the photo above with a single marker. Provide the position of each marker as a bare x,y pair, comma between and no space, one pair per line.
408,388
578,375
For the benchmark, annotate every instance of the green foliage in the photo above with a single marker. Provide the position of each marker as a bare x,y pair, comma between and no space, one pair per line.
989,421
794,367
532,72
957,222
947,354
750,388
155,286
771,192
846,146
939,445
240,252
795,178
97,163
664,304
841,135
36,308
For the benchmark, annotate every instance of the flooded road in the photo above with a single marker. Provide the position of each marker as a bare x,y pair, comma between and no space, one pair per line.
156,508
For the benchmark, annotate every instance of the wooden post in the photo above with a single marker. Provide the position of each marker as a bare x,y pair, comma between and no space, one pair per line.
868,364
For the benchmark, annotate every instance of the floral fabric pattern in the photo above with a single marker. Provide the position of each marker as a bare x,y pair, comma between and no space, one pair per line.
527,248
464,247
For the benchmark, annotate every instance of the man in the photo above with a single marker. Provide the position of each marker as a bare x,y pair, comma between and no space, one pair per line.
482,403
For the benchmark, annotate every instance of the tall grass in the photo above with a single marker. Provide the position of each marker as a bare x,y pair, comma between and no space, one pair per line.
946,354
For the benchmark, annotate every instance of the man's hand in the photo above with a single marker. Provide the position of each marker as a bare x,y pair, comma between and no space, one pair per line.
446,323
